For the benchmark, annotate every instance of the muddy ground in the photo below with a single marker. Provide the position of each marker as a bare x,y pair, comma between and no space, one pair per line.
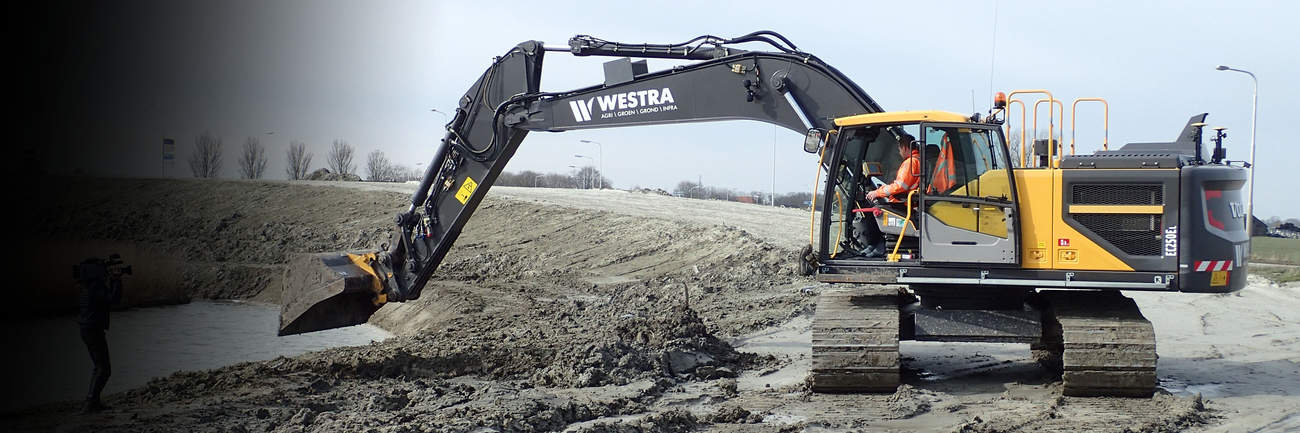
605,311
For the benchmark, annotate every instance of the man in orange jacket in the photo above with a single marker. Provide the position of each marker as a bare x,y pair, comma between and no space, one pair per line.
907,180
908,177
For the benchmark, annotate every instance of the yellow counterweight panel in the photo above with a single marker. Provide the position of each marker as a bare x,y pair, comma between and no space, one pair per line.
1034,191
1046,241
1072,250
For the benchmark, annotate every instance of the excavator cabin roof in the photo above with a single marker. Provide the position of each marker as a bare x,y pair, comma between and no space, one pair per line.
895,117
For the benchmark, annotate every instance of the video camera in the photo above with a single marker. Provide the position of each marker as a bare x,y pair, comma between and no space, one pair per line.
95,268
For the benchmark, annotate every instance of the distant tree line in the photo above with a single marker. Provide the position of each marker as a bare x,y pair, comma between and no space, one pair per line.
584,178
690,189
206,160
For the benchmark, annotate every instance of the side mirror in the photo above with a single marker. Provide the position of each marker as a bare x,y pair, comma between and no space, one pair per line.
812,141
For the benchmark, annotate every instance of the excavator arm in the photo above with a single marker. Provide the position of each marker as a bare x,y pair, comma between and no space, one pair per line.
784,87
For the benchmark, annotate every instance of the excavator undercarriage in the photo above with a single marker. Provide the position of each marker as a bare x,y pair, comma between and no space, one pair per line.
1099,343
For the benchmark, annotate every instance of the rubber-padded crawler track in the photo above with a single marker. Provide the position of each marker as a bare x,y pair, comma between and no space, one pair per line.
855,341
1107,347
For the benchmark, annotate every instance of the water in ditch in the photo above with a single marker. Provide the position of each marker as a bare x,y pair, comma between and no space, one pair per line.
152,342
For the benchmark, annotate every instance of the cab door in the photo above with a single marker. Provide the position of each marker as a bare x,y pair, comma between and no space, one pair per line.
968,204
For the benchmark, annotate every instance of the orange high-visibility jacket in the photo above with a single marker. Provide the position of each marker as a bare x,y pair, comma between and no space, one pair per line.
908,179
945,174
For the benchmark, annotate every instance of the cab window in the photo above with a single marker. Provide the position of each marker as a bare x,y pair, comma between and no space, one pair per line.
966,162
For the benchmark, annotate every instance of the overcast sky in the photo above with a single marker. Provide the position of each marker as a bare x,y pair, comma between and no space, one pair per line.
369,73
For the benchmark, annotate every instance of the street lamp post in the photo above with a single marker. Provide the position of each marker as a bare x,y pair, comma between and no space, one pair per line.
1254,110
776,135
444,115
600,181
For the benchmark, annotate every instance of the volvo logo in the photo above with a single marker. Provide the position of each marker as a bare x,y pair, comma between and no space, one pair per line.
1238,211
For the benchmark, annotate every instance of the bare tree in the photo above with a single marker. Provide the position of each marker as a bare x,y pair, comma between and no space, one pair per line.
379,168
340,158
206,160
590,177
252,162
402,173
299,160
687,188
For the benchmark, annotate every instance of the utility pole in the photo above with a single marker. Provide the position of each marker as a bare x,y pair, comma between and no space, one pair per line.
776,134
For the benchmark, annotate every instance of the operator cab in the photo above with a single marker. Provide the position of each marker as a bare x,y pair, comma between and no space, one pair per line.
962,209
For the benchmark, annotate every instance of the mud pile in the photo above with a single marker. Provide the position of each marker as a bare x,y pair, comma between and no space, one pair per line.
326,174
674,346
456,381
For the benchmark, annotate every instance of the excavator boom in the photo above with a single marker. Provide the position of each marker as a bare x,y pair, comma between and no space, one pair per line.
784,87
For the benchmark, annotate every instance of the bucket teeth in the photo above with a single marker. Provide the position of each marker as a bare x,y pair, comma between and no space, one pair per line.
329,290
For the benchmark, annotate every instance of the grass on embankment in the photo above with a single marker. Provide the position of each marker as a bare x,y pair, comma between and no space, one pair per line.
1281,251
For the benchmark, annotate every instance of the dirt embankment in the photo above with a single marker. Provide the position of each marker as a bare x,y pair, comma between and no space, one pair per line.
192,238
556,318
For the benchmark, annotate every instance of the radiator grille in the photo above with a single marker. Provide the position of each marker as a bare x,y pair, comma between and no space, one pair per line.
1137,235
1132,194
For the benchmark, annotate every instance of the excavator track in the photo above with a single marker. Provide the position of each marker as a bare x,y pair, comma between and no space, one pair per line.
855,340
1106,347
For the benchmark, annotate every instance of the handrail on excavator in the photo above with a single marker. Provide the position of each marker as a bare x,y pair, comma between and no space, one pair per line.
1074,112
893,256
1053,103
1051,129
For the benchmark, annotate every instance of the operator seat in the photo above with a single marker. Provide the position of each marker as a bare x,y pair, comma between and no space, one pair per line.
931,155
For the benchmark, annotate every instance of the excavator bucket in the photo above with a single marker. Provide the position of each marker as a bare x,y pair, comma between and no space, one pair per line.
329,290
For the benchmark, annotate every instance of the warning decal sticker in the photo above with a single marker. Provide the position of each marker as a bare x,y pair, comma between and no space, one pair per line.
466,190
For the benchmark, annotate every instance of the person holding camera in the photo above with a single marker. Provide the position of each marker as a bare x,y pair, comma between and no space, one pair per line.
100,284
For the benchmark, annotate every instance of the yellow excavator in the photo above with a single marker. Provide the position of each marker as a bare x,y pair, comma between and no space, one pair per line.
1029,243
